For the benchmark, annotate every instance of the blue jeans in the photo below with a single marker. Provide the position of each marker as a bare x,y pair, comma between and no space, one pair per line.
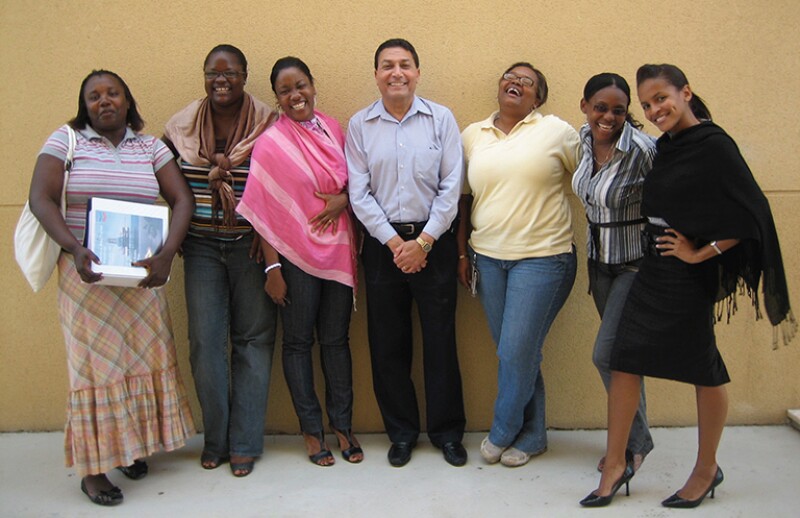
225,299
521,299
324,306
609,284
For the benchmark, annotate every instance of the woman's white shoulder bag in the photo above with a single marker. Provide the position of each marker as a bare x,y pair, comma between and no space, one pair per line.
36,253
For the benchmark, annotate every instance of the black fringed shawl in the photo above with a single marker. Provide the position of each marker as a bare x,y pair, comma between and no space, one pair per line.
701,186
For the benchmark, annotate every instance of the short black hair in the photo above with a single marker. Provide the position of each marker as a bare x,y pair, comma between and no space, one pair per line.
225,47
289,62
132,118
397,42
541,81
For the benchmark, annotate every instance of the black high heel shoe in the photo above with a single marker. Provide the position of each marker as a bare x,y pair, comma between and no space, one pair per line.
677,502
594,500
351,449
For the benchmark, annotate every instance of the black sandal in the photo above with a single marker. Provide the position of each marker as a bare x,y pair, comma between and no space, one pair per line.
135,471
211,461
351,449
323,453
109,497
243,468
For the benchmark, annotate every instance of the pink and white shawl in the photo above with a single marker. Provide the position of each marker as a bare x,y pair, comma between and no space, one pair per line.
289,164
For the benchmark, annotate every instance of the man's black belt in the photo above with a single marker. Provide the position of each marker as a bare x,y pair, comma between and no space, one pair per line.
409,229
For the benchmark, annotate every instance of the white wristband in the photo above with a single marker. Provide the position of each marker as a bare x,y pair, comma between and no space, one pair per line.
272,267
713,245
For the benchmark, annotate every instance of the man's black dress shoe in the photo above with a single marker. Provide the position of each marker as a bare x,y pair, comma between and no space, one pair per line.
400,453
454,453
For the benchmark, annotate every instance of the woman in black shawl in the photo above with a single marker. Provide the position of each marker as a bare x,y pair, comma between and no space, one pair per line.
710,231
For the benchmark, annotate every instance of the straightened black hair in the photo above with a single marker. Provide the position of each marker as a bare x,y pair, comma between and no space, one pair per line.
289,62
604,80
674,76
132,118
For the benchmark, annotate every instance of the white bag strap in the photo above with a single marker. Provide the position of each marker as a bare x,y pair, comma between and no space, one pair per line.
68,167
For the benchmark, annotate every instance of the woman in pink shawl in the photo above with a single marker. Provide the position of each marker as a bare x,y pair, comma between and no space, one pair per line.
296,199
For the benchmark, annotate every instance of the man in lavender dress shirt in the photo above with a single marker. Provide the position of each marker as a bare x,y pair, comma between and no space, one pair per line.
405,164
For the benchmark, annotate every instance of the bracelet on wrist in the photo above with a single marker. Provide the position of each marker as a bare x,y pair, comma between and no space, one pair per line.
713,245
272,267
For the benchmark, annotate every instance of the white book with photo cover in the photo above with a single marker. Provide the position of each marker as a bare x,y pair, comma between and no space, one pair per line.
121,233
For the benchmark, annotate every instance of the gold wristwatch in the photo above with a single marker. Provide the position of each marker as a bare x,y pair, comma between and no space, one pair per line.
426,247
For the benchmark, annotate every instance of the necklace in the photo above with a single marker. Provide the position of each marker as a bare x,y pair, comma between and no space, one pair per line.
607,159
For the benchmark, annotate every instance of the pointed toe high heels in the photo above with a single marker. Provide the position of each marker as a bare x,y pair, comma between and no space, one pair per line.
595,500
677,502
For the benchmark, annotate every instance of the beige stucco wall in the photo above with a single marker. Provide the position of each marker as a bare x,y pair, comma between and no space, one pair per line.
740,55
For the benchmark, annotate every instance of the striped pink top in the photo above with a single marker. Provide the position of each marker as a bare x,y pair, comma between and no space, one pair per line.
127,172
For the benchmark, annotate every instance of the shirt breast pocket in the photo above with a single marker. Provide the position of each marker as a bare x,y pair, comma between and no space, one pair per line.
427,162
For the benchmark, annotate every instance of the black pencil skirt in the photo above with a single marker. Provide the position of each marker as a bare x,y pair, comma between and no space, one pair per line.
667,325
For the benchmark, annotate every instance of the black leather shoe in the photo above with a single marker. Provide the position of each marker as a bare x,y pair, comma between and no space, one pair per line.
454,453
595,500
400,453
677,502
135,471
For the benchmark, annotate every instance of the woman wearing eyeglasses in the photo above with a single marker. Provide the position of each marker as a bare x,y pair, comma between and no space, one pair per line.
517,219
224,275
617,156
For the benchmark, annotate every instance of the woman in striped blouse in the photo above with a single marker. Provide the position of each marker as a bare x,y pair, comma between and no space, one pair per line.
126,398
213,137
616,157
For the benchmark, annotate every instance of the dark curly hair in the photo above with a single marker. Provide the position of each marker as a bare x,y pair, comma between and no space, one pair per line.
541,81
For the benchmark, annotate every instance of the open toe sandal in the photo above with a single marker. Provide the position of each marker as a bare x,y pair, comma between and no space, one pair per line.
348,445
210,461
242,469
323,453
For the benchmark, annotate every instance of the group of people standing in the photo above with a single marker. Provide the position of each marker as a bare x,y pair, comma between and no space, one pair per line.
270,210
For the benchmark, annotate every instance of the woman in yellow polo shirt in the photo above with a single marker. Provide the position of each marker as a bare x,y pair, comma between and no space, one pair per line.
520,245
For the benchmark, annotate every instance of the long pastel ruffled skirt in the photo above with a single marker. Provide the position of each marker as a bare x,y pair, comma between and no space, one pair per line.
126,400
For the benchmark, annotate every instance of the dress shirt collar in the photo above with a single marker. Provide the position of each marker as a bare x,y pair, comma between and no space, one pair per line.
379,110
623,142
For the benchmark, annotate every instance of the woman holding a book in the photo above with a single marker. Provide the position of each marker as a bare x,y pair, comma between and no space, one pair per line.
126,397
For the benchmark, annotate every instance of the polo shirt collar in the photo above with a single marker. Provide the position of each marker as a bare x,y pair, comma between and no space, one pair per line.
90,133
532,117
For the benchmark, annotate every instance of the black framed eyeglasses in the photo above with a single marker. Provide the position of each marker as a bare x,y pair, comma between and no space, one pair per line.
524,81
228,74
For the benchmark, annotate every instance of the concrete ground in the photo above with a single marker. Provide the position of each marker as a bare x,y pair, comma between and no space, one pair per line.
761,465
